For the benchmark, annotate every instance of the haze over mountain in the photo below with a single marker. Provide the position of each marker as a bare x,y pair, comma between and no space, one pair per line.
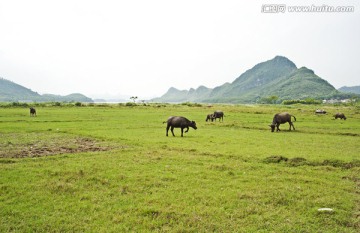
276,77
10,91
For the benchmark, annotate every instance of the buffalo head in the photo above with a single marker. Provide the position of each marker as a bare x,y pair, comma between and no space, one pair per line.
272,126
193,125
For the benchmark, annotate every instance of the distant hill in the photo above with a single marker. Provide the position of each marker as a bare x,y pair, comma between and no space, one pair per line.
75,97
12,92
354,89
277,77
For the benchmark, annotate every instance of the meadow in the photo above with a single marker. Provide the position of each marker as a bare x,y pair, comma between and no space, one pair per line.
110,168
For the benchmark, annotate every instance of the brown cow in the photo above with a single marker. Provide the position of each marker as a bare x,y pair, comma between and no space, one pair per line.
32,111
340,115
210,117
179,122
281,118
218,114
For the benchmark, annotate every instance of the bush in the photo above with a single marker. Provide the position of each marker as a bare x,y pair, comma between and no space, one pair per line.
306,101
19,104
130,104
189,104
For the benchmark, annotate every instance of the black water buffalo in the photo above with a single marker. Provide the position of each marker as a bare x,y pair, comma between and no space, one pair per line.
210,117
32,111
340,115
218,114
281,118
179,122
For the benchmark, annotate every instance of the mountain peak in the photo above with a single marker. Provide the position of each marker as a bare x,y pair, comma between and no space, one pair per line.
278,76
306,70
265,72
281,60
171,89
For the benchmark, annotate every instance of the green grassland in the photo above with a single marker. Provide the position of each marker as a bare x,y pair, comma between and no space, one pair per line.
112,169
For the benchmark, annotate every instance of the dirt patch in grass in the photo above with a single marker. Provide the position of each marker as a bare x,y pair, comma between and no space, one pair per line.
275,159
298,161
46,144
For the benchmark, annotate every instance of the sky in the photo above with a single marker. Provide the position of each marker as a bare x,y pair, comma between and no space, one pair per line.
108,48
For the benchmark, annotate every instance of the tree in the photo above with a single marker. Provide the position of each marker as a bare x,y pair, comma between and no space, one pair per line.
269,100
133,98
273,99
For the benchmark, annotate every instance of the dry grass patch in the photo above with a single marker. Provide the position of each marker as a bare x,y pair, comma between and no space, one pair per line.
16,145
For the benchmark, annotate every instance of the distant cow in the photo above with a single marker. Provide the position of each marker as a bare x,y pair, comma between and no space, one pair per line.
32,111
340,115
281,118
179,122
320,111
210,117
218,114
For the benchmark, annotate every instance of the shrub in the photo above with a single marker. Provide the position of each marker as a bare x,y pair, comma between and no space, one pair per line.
189,104
130,104
19,104
306,101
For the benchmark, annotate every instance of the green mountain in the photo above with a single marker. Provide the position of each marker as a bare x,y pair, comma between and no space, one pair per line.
354,89
12,92
277,77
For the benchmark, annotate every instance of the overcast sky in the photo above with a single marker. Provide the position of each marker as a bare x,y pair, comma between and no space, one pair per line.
144,47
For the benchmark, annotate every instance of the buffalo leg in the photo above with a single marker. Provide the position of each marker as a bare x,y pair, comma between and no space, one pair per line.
172,130
291,124
167,130
182,130
277,127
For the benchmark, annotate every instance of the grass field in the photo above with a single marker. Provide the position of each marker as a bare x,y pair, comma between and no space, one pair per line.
112,169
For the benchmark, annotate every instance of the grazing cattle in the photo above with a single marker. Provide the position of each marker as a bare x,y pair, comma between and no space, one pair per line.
179,122
218,114
210,117
320,111
281,118
340,115
32,111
